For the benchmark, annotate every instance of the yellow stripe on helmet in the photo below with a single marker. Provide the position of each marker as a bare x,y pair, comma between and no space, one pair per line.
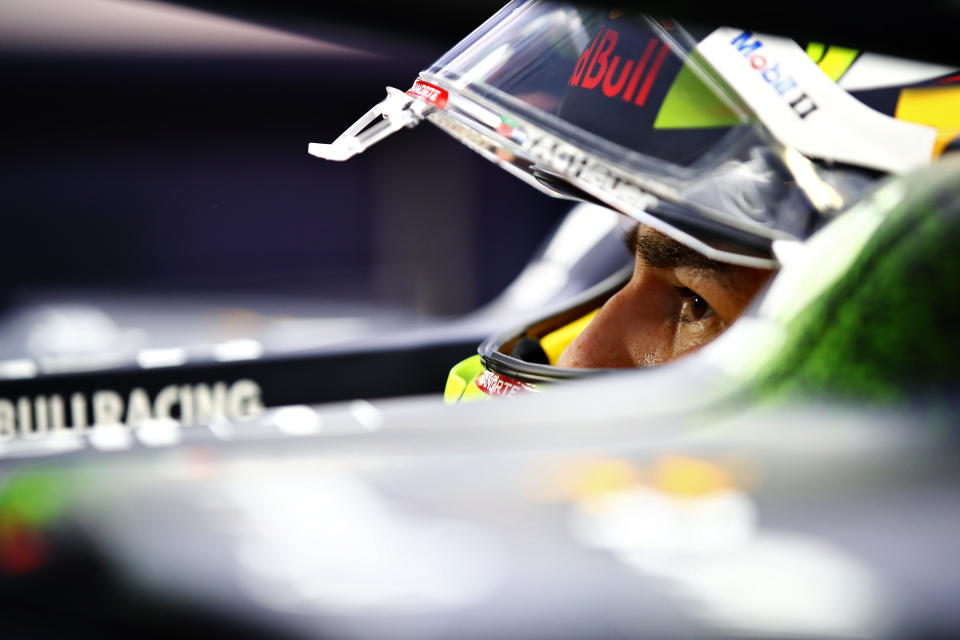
834,61
937,107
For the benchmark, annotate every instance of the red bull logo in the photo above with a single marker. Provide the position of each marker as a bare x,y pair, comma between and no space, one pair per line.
618,76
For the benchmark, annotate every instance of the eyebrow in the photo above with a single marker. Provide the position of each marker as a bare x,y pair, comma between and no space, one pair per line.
660,251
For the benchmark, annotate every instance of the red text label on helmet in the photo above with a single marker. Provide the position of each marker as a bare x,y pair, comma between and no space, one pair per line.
494,384
431,93
596,68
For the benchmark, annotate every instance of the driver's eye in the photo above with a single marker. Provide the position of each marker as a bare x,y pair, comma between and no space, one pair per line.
693,307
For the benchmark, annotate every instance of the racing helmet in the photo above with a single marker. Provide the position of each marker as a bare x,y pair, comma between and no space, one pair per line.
735,144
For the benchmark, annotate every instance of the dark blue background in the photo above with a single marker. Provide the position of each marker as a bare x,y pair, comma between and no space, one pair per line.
166,172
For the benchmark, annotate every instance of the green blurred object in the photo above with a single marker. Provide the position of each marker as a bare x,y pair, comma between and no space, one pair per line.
886,330
33,498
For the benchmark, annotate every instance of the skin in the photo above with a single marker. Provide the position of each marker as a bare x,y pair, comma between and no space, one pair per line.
676,302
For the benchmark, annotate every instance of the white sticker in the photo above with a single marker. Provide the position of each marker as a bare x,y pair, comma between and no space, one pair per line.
807,110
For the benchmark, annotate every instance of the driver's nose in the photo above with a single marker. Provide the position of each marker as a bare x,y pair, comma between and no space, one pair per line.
634,328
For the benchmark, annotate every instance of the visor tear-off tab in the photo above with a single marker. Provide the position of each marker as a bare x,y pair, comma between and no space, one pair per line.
398,110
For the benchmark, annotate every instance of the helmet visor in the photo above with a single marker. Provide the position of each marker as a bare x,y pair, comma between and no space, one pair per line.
620,108
631,112
607,73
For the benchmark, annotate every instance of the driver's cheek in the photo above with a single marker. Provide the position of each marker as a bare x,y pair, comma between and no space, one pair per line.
694,335
635,328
